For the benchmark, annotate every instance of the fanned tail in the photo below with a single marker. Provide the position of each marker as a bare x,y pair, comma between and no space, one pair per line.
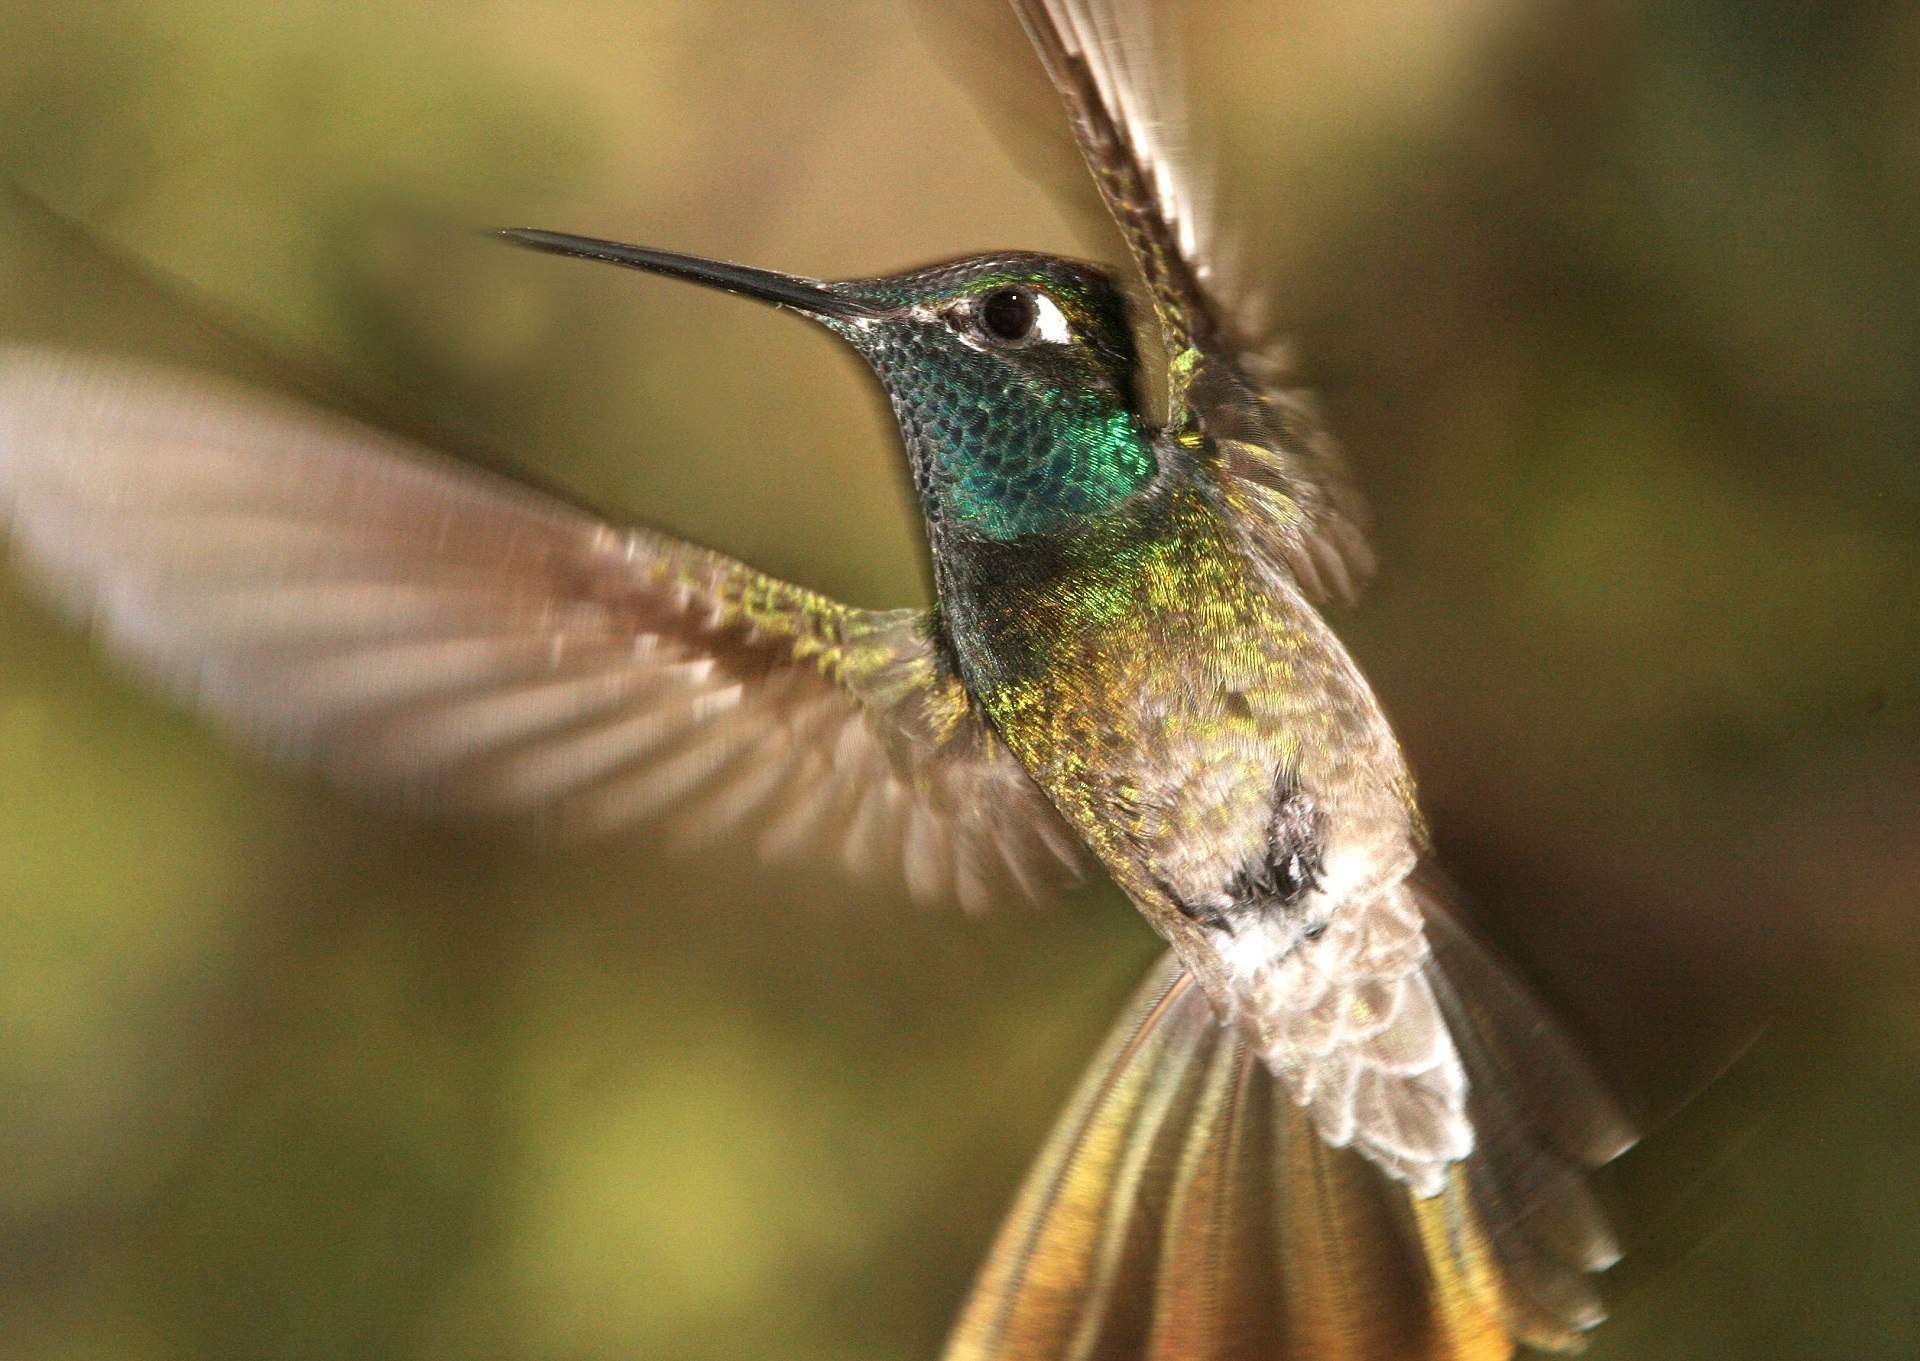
1185,1209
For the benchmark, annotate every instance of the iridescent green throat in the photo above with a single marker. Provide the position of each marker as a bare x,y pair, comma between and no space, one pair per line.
1017,458
1066,465
1004,446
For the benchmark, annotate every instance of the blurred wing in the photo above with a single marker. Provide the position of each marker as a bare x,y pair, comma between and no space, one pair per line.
1129,118
421,628
1288,478
1187,1209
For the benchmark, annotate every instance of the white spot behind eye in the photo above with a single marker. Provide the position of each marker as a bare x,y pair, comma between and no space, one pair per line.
1050,323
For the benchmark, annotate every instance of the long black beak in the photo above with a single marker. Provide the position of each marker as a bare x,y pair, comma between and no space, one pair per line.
811,296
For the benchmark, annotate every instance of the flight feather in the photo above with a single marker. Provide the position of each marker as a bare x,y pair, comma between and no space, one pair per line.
421,628
1284,473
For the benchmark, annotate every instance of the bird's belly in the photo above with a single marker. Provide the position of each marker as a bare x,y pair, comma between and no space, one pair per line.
1170,741
1186,781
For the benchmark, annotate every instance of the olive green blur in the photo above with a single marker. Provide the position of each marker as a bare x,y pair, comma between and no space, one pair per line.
1617,307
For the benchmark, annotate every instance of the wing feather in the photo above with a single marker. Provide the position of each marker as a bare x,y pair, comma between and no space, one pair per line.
419,628
1296,502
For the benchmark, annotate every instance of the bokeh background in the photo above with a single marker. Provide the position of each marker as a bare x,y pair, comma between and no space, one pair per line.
1617,306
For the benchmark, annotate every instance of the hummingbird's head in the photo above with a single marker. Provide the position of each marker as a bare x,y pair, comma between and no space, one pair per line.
1012,377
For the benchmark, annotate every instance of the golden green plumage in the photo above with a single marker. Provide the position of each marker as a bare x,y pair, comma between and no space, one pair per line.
1145,632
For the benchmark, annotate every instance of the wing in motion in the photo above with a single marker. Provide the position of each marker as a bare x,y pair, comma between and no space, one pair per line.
1284,473
415,626
1186,1209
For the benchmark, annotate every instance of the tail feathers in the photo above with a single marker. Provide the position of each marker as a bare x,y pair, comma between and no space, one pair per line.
1541,1120
1185,1209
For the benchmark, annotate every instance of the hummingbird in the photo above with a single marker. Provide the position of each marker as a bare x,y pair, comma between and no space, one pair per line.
1331,1124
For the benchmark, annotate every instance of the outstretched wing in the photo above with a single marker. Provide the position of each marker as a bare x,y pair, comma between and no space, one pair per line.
420,628
1285,474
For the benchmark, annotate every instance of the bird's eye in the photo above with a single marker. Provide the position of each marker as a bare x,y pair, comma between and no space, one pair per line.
1008,315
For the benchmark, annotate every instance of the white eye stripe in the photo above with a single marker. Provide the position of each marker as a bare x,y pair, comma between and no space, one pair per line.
1050,323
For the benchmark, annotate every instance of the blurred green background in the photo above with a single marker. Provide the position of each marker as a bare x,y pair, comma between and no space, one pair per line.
1618,308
